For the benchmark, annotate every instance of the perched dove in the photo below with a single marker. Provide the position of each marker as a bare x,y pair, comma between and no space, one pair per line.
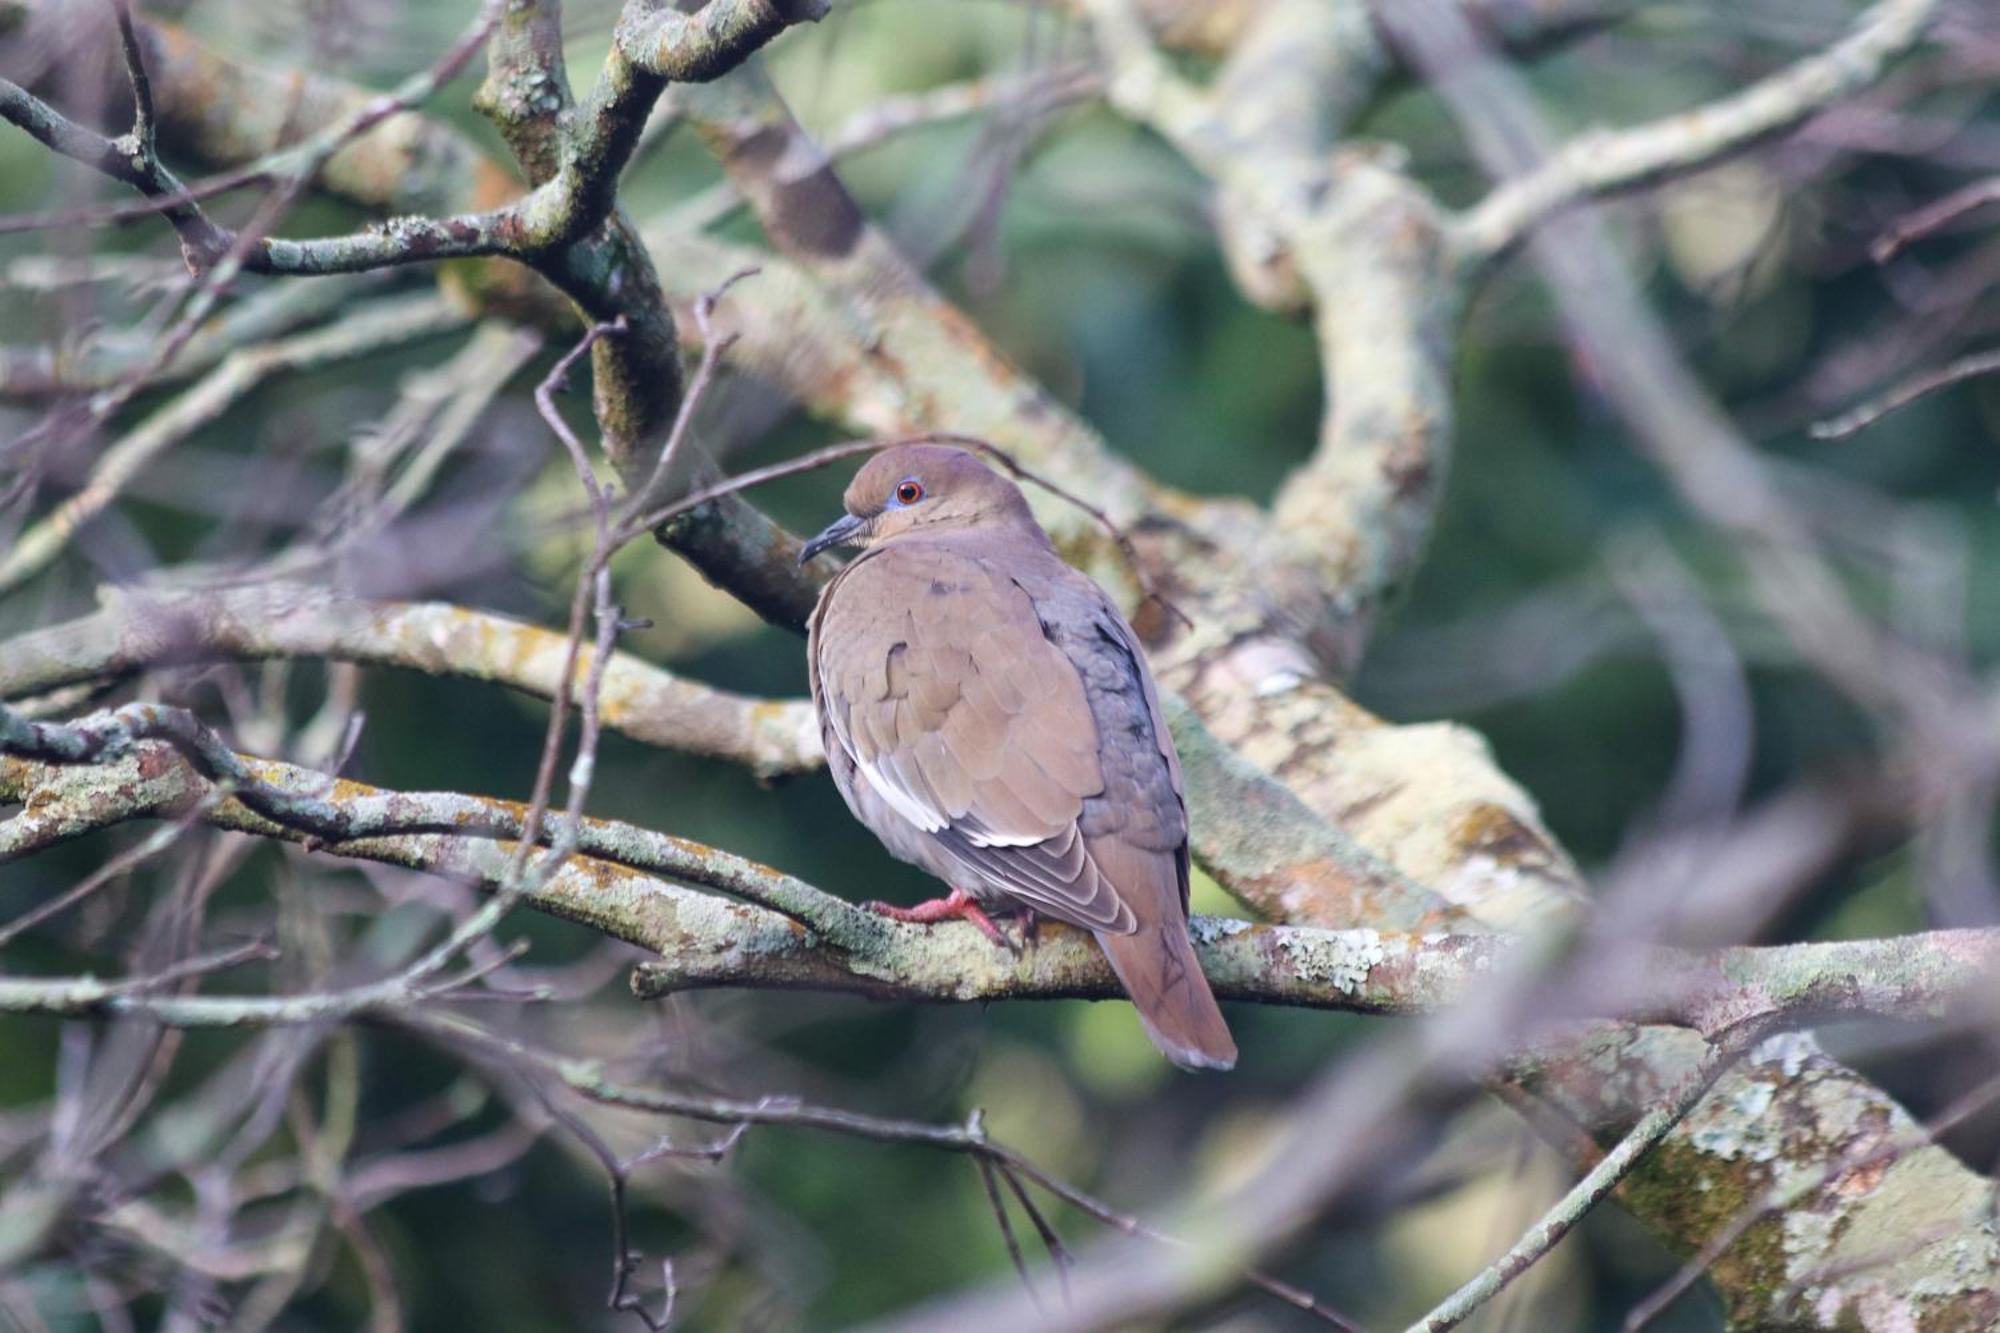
988,714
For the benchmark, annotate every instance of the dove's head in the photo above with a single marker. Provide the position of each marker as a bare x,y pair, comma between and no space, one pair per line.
921,488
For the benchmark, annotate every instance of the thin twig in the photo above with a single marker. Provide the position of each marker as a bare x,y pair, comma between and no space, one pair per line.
145,135
1059,1255
1968,367
1007,1236
1933,217
200,966
1592,165
712,351
122,864
217,254
835,453
1587,1193
588,1079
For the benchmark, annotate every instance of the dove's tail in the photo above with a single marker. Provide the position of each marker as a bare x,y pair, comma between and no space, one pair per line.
1157,965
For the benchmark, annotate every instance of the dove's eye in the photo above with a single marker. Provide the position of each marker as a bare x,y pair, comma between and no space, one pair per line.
909,491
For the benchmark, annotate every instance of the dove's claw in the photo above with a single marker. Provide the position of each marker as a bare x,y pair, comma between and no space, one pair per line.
955,905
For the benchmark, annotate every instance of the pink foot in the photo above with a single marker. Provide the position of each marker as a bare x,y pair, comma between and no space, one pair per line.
955,905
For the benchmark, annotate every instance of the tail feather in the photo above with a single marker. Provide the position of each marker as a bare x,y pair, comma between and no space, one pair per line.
1157,965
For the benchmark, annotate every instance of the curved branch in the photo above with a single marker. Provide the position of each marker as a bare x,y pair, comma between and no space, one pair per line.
566,228
1427,798
1603,162
1971,366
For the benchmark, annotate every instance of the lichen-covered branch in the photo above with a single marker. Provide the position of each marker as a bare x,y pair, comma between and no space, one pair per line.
566,228
1217,27
223,112
128,159
1251,833
133,162
1586,1194
1734,1142
774,931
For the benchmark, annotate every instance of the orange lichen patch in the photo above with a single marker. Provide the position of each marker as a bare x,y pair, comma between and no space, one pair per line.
1862,1180
155,762
702,851
1493,830
345,790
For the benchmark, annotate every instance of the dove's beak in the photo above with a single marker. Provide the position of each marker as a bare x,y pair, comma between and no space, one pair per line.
837,533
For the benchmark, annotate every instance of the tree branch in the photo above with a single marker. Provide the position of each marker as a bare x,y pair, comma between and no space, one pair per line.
1973,365
135,631
1250,832
206,245
1583,1196
147,762
1598,163
367,329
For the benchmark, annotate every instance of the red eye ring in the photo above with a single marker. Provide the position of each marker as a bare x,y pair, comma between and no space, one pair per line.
909,491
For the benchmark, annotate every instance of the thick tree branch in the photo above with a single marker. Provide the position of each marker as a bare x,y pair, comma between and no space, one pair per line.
910,362
135,631
566,228
1217,27
146,762
207,245
1818,1104
127,160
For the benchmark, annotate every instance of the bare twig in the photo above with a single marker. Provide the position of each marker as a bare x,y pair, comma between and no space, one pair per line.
369,328
1595,164
1971,366
1006,1225
835,453
108,873
589,1079
1934,217
712,350
1587,1193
